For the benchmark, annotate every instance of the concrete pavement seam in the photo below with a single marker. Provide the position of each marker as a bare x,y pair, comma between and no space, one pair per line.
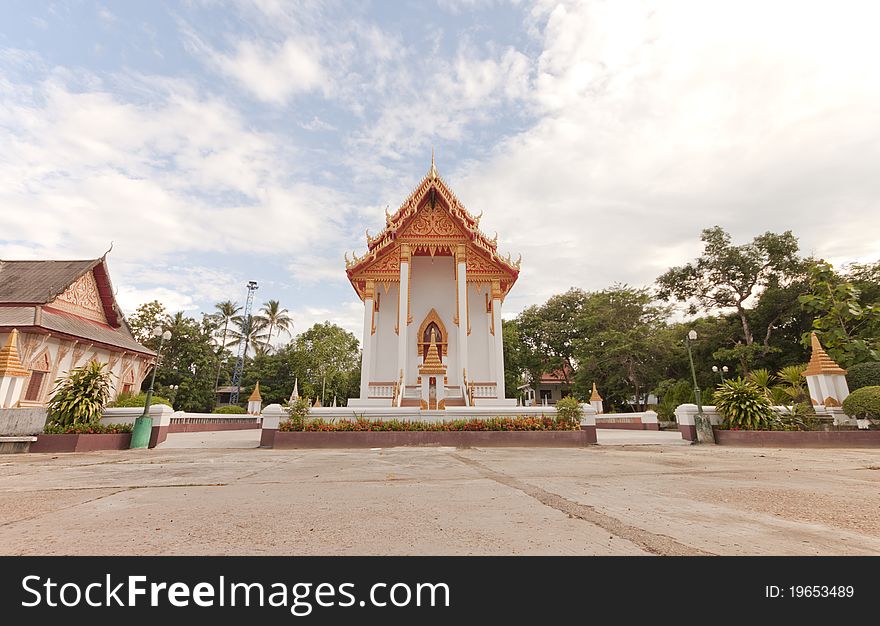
654,543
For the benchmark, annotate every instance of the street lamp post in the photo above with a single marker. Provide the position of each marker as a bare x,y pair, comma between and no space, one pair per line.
704,427
143,426
721,371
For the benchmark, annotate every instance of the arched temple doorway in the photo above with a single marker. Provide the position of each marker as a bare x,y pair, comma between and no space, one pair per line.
433,322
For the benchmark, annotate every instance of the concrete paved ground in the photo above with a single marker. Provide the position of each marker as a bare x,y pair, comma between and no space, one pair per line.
625,499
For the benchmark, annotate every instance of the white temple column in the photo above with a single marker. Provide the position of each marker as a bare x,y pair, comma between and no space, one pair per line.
367,345
462,313
403,309
499,340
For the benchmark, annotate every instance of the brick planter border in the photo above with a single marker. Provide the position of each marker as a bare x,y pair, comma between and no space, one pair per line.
798,439
461,439
81,443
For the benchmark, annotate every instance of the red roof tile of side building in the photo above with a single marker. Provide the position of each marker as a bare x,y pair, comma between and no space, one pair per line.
28,293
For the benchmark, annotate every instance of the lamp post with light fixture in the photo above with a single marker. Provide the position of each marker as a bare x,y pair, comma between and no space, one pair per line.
721,371
143,426
704,427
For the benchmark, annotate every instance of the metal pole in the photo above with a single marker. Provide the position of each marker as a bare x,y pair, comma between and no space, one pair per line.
143,426
704,428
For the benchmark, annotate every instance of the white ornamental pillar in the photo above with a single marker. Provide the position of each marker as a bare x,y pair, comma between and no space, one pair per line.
367,345
403,309
12,373
826,380
255,401
462,313
499,339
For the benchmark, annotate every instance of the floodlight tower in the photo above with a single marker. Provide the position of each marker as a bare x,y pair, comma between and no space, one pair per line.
242,344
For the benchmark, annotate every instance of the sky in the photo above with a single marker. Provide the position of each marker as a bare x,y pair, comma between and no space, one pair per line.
219,142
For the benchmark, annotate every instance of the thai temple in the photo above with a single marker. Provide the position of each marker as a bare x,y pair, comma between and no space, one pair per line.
433,285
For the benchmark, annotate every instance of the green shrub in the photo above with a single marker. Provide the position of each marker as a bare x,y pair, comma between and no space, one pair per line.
232,409
80,398
673,393
792,388
95,428
569,411
863,375
799,416
744,405
863,403
129,400
299,412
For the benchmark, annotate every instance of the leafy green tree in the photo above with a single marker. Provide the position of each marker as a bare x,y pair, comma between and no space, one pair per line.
188,362
520,364
329,357
848,328
549,332
619,343
727,276
147,317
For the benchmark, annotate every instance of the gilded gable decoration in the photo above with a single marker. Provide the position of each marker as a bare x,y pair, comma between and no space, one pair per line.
83,299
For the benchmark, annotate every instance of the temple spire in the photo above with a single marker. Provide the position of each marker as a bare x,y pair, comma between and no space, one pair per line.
10,364
432,173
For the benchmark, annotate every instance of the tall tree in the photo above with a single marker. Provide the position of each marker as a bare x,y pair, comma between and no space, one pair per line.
273,316
226,311
330,359
727,276
550,332
619,344
847,325
251,328
147,317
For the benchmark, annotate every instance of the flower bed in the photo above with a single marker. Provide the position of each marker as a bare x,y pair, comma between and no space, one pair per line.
541,423
362,433
83,438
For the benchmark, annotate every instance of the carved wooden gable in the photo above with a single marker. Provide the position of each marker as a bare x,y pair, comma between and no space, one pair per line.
385,268
82,299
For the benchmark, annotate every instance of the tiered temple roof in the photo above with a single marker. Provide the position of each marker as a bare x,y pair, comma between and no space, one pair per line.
432,220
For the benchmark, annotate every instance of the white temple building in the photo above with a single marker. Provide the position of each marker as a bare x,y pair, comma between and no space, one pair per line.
433,286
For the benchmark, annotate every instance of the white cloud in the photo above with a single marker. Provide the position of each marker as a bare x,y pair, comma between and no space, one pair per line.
347,314
176,173
658,121
276,73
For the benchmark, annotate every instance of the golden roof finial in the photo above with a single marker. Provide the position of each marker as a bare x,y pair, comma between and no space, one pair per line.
595,397
432,173
10,363
820,362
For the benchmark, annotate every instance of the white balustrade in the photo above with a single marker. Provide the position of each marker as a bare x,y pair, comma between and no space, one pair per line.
485,391
381,391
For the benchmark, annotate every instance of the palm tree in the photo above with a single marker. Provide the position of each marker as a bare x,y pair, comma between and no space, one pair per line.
274,317
225,312
252,331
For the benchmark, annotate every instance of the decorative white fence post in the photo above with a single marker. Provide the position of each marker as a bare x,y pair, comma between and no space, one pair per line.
272,416
686,416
